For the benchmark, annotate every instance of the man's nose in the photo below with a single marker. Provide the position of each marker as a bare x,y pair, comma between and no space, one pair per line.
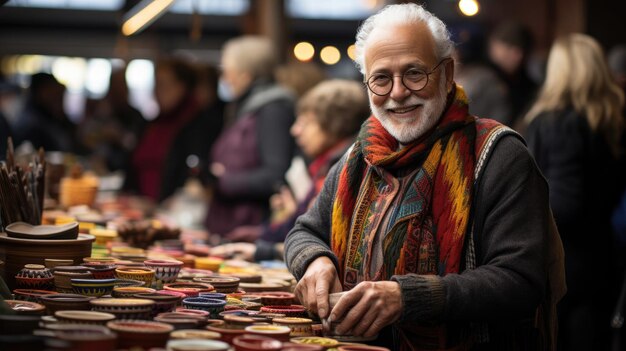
399,91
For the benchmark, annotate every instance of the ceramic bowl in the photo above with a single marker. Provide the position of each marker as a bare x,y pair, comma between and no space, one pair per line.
84,337
237,322
213,306
31,295
60,302
261,287
194,334
221,284
103,236
26,307
190,273
17,252
130,291
101,270
83,317
298,326
108,260
256,343
180,320
137,273
197,313
93,287
209,263
227,335
34,276
315,340
276,298
289,311
190,289
212,295
22,230
142,334
63,279
124,308
166,271
197,344
245,277
128,282
162,302
278,332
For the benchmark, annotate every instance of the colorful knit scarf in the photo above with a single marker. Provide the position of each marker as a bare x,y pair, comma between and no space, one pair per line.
426,231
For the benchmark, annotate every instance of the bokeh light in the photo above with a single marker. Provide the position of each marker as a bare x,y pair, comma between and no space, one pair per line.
330,55
469,7
304,51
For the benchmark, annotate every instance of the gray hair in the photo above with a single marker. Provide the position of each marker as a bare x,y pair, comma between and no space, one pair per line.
393,15
252,54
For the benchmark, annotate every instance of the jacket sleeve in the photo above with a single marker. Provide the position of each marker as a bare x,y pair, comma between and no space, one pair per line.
275,149
310,237
511,229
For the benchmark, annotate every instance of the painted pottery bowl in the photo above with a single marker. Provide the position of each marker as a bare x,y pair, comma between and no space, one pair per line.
221,284
166,271
83,317
162,302
289,311
26,307
315,340
93,287
180,320
31,295
237,322
142,334
197,344
16,252
34,276
137,273
124,308
278,332
298,326
130,291
261,287
61,302
213,306
109,260
63,279
190,273
190,289
256,343
198,313
194,334
101,270
213,295
209,263
276,298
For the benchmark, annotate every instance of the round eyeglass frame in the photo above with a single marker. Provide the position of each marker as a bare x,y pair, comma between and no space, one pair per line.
391,78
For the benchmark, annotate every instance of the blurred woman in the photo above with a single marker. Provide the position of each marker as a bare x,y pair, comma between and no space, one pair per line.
159,163
329,116
252,154
574,130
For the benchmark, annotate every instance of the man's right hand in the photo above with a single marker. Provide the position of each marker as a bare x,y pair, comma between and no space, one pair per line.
318,281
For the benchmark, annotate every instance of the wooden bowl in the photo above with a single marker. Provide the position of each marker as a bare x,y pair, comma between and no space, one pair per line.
60,302
16,252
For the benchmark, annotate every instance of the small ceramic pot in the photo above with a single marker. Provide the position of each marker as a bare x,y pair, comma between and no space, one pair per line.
128,282
213,306
189,289
197,344
194,334
101,270
63,276
60,302
278,332
143,334
276,298
166,271
137,273
26,307
212,295
34,276
299,326
289,311
124,308
162,302
93,287
31,294
83,317
256,343
221,284
130,291
180,321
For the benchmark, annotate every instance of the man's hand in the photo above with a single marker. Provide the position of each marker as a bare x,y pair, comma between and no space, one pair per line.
318,281
368,308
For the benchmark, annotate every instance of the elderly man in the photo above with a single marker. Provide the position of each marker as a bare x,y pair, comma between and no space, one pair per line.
436,223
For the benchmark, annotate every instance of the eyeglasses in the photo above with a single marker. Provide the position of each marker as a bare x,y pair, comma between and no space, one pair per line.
413,79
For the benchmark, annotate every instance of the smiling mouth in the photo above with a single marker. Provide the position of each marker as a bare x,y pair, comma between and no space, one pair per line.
402,110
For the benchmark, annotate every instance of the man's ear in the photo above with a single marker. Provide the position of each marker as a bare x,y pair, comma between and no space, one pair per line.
449,74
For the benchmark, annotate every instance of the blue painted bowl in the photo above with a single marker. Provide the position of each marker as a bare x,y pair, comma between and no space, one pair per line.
213,306
93,287
212,295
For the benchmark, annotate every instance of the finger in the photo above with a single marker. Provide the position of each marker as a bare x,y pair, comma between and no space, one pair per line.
321,296
352,318
363,324
300,292
311,298
377,325
345,303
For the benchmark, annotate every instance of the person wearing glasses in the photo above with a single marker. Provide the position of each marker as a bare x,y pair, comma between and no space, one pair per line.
435,224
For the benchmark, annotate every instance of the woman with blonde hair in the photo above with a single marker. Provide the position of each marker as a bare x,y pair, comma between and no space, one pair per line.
574,131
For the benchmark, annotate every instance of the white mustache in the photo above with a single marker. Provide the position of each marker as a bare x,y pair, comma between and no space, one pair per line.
411,101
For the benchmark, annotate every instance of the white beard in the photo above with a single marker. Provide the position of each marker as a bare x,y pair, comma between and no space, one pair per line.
407,130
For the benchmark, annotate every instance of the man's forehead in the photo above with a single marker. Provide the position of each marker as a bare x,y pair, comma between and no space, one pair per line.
407,39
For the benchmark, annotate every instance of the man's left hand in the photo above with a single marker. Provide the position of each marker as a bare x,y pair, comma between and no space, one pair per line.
368,308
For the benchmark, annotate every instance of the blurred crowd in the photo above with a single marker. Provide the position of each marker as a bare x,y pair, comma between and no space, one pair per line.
260,137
